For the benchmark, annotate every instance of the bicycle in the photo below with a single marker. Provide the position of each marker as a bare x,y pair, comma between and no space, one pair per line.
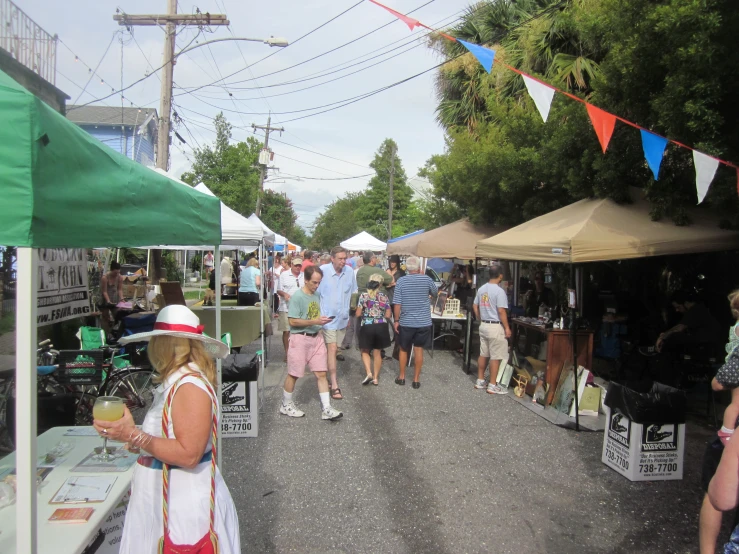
85,379
45,357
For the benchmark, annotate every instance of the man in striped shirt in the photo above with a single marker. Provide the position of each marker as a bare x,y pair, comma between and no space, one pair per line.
412,311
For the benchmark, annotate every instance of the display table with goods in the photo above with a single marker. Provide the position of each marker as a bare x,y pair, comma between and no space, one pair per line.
549,349
241,321
82,501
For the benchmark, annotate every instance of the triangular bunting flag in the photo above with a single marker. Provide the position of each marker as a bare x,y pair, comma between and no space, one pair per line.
412,23
603,123
654,148
485,56
705,169
541,93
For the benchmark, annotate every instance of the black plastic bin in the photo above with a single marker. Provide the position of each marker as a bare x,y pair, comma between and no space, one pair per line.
239,367
647,402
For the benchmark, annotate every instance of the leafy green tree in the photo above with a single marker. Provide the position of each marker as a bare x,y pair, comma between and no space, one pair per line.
666,65
229,170
337,222
375,201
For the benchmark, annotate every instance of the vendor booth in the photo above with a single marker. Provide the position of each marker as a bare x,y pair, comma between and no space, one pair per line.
456,240
54,176
594,230
364,241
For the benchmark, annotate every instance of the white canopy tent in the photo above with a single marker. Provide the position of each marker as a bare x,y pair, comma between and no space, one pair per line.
276,240
364,241
237,233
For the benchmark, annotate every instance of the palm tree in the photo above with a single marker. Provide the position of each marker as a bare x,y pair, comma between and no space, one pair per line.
536,36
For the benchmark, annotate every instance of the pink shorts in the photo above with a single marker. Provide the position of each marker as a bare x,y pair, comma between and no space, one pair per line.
306,351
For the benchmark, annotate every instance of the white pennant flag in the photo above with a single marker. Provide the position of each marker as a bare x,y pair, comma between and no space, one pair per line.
542,95
705,169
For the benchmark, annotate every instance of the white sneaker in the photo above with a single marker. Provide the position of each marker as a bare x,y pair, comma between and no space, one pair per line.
290,409
331,413
496,389
481,384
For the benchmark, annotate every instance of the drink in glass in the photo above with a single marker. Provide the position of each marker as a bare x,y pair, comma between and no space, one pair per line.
107,408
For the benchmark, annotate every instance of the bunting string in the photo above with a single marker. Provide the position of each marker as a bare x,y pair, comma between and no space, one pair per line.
603,122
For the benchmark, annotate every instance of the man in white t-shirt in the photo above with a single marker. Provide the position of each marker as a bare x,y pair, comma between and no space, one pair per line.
289,282
490,308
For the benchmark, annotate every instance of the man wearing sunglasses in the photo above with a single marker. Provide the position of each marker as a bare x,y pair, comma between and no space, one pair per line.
289,282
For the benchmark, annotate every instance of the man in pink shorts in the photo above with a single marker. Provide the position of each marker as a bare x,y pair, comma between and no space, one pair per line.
307,347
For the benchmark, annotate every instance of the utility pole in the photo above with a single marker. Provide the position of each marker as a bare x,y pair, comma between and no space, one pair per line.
264,159
172,19
390,205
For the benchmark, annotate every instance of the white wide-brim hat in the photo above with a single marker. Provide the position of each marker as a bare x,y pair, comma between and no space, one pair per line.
180,321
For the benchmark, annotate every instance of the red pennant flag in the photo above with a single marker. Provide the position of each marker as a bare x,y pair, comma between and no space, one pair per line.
412,23
603,123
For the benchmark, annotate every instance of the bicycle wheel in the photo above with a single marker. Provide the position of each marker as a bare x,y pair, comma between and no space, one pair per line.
135,387
6,389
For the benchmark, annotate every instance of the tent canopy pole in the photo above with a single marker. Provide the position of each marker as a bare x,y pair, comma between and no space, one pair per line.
26,388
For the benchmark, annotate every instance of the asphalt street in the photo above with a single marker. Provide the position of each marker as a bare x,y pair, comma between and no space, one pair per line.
443,469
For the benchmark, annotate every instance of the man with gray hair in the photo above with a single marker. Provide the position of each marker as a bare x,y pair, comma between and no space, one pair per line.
412,311
490,307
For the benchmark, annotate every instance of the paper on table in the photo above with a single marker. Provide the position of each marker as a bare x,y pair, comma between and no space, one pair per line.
84,489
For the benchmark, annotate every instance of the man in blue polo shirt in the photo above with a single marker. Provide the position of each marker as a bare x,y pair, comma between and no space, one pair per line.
336,290
412,311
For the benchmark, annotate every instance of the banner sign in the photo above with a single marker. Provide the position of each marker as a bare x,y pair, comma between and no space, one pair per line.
62,285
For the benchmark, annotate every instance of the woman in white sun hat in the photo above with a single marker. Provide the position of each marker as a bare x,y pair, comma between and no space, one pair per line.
185,405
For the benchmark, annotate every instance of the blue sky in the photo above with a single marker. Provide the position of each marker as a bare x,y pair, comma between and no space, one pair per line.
350,134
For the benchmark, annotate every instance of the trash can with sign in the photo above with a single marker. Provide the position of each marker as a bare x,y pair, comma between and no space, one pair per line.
645,431
239,404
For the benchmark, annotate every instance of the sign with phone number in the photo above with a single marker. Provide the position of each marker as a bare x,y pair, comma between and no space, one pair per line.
239,409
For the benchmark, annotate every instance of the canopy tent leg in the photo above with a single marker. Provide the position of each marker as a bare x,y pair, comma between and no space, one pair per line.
26,399
218,291
261,332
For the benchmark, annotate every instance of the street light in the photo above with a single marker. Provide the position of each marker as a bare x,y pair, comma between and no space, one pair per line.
279,42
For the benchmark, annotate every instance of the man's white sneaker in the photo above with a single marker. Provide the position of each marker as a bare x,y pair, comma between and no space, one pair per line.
331,413
481,384
496,389
290,409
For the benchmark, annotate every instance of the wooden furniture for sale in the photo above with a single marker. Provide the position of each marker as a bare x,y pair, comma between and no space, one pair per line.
558,349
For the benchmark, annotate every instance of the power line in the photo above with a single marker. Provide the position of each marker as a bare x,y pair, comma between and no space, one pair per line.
309,59
332,70
288,46
318,153
93,72
131,85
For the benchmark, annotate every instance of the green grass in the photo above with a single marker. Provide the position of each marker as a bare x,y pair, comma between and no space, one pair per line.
193,294
7,323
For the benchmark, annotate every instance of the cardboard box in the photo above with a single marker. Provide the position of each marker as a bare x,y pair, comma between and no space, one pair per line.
643,452
239,409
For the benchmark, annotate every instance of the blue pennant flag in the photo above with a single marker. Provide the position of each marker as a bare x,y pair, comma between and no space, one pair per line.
484,55
654,148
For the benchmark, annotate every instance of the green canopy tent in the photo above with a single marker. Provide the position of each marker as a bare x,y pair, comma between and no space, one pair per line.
61,188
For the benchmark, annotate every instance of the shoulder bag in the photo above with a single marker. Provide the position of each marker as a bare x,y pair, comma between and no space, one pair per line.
209,543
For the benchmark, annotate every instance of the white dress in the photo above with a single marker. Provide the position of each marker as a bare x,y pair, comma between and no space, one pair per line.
189,495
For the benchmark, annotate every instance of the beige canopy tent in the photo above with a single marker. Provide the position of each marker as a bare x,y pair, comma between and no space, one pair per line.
594,230
456,240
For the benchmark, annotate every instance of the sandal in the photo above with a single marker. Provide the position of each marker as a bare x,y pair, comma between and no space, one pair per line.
416,385
367,380
374,382
336,394
399,381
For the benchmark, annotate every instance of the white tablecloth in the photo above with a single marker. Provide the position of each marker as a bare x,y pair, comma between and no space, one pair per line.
68,538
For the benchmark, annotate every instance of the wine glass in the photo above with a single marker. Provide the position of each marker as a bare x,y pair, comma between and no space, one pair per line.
107,408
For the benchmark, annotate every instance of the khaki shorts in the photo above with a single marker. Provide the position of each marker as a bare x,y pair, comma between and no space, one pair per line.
333,336
282,323
493,343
